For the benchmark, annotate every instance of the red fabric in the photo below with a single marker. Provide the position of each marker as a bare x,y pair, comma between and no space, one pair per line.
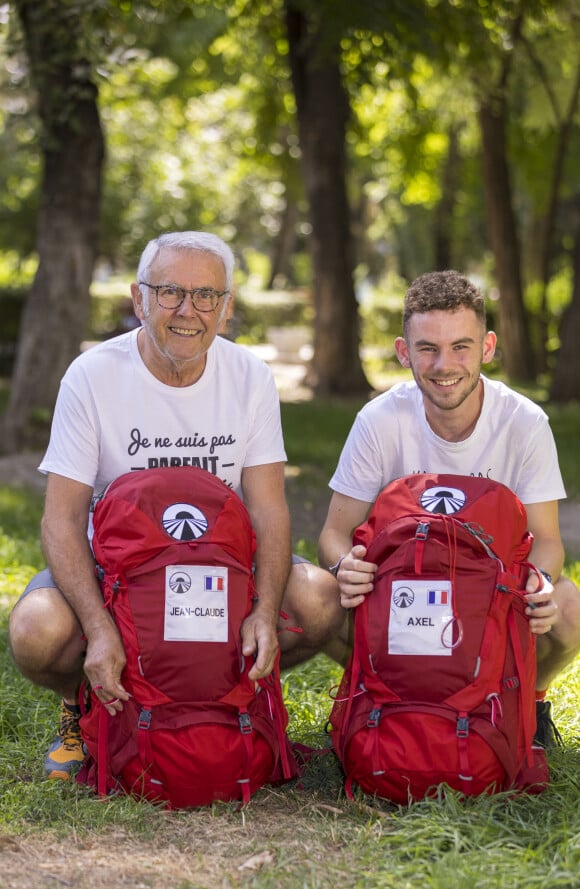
181,738
442,715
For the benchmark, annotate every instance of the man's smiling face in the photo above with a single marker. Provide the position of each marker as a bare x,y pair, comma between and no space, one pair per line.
179,338
445,351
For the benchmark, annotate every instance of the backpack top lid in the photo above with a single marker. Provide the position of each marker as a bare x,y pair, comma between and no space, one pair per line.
142,513
479,503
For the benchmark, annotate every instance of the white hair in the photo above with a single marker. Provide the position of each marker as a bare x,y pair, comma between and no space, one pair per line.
201,241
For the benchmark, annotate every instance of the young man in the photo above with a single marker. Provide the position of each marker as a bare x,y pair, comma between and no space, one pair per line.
168,393
452,419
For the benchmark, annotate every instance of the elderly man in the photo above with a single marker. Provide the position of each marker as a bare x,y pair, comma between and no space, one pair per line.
168,393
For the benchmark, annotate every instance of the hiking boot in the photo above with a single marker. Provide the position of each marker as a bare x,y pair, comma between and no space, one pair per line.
547,735
66,753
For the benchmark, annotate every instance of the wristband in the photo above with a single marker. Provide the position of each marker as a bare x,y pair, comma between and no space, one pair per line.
334,568
545,574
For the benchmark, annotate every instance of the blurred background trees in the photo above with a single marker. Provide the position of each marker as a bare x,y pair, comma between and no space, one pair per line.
341,149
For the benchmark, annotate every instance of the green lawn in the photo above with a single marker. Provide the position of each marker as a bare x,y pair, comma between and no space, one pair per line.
308,835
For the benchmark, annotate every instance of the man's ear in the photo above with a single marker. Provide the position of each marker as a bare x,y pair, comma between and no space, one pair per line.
489,344
402,352
137,298
228,314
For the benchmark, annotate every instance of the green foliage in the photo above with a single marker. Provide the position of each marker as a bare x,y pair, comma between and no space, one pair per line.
111,307
16,272
314,432
19,155
565,423
256,312
380,310
306,692
20,551
200,123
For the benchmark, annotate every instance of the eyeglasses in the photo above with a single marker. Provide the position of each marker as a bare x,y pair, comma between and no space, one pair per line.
168,296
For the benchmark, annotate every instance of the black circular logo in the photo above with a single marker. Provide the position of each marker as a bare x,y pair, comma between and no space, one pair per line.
182,521
403,597
442,500
179,582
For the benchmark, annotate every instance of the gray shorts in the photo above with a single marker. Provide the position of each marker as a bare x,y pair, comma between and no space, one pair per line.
41,580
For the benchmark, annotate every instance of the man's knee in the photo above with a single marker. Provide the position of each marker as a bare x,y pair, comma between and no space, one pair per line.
312,604
41,629
567,596
565,634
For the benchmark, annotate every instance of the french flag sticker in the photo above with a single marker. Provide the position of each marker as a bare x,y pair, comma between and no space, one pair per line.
213,584
437,597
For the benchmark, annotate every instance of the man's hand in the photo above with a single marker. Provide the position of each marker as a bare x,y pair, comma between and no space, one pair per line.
260,639
355,577
104,663
542,610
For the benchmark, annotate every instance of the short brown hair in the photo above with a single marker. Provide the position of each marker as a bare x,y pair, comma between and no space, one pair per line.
444,291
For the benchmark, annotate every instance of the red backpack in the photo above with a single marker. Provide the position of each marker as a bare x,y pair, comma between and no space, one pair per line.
174,550
440,687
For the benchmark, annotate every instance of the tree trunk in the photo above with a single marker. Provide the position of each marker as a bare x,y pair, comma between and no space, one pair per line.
56,313
566,381
284,246
564,135
446,206
323,111
514,344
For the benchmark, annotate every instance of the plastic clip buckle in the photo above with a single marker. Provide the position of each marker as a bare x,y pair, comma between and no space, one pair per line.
511,682
245,723
144,720
422,531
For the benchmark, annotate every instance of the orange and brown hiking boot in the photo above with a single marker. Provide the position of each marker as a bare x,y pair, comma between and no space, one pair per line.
66,753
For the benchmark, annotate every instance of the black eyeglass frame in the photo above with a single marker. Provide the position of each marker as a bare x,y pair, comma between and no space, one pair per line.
182,292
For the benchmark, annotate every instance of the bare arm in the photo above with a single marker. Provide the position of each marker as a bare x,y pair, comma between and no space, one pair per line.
65,542
355,576
548,554
547,549
264,496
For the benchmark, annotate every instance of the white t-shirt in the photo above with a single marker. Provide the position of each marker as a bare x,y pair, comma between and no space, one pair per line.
512,443
113,416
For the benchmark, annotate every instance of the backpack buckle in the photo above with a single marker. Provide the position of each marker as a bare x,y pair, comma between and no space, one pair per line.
422,531
462,726
144,721
511,682
245,723
374,717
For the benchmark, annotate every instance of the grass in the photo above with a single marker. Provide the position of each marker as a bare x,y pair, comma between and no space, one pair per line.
314,432
565,423
302,836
